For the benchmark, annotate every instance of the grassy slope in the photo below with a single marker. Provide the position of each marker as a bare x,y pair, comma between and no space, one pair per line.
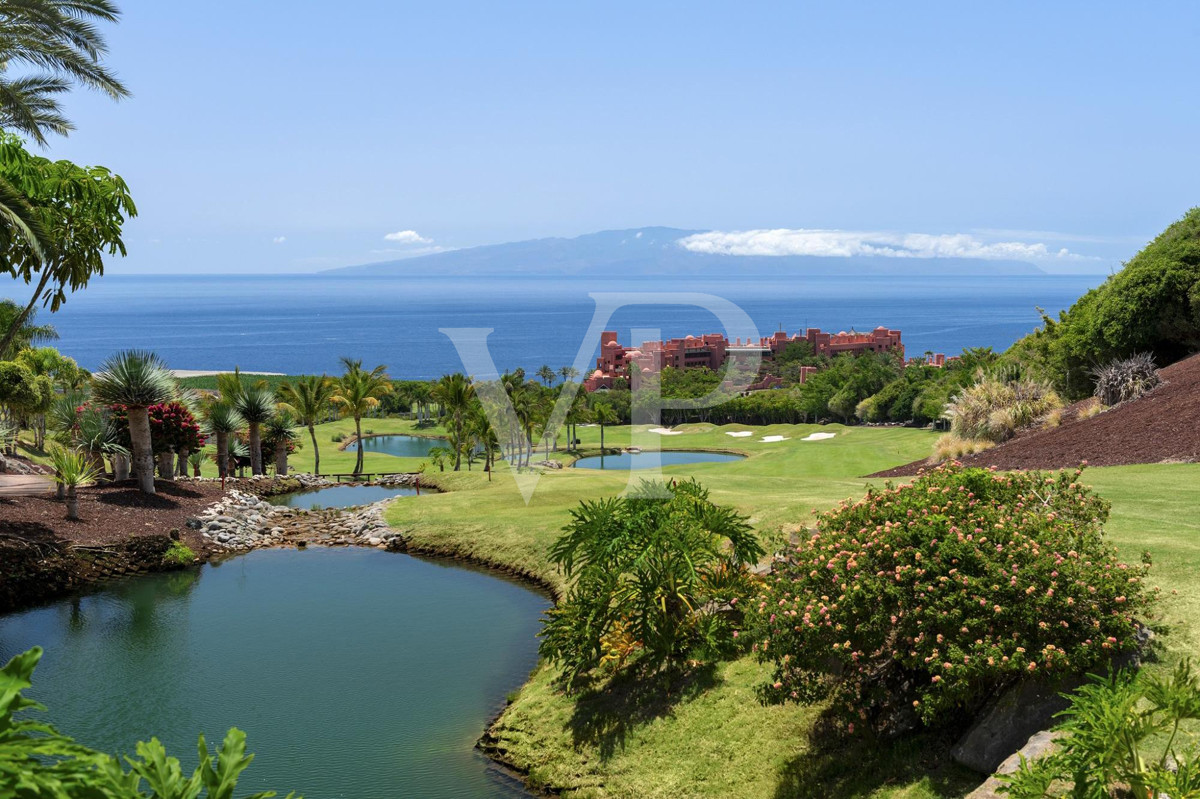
719,741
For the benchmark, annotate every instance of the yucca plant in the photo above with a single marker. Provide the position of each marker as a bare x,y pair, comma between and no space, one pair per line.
196,460
279,435
136,379
1127,379
72,469
221,421
256,406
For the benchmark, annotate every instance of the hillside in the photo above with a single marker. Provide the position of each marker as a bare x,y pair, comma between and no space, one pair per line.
1161,427
655,251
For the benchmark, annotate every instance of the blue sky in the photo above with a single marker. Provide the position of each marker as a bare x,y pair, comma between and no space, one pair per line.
274,136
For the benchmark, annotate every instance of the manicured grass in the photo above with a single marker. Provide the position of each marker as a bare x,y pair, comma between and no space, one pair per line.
712,738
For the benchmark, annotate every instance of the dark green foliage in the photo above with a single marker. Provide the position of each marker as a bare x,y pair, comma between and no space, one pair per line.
655,577
1152,305
38,762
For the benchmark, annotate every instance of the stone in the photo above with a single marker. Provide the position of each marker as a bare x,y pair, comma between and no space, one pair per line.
1040,744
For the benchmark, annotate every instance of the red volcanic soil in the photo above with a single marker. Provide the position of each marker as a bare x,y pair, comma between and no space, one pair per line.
109,513
1162,426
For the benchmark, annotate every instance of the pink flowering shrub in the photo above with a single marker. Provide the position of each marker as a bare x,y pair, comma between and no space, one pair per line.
920,602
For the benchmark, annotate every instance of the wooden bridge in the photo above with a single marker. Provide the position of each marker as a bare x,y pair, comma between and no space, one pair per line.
361,477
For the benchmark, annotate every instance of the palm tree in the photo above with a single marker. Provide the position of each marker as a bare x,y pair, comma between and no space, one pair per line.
72,469
546,374
454,393
358,391
223,420
136,379
256,406
58,38
604,414
309,400
568,373
28,333
279,435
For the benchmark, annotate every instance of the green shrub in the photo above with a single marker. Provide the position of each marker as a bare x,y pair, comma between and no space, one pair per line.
179,554
994,410
1126,379
1121,736
37,761
928,598
337,438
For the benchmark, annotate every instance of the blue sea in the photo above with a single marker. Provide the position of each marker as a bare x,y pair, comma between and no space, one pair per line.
303,323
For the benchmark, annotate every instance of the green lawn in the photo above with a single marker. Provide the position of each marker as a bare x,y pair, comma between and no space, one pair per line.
712,738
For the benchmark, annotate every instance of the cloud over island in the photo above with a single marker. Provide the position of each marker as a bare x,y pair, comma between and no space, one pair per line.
848,243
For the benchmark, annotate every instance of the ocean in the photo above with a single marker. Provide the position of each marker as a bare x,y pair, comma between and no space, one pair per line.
304,323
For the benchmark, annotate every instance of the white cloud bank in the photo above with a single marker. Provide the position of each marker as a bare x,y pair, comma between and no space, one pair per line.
407,237
279,239
847,243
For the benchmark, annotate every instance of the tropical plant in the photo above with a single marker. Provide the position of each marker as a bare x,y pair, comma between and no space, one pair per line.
280,437
26,333
952,447
1122,735
663,567
309,400
223,420
546,374
358,392
136,379
439,456
1126,379
603,414
196,461
454,393
256,406
926,599
60,40
568,373
36,760
179,554
82,211
72,469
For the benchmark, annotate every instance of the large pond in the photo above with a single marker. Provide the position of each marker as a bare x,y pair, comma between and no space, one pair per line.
339,496
354,672
648,460
402,446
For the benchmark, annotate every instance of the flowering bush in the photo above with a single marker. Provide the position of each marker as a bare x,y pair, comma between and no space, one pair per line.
172,427
918,602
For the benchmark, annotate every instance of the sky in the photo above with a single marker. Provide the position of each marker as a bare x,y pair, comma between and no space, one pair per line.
274,136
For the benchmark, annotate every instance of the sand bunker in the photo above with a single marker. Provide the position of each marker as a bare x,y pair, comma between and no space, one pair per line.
819,437
773,439
740,433
663,431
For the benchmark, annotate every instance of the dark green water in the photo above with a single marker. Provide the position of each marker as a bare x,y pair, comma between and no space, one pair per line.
340,496
647,460
402,446
355,672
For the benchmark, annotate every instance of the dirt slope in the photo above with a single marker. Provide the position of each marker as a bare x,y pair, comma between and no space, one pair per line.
1162,426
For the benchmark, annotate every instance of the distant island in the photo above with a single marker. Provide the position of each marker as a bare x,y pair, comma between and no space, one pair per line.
657,251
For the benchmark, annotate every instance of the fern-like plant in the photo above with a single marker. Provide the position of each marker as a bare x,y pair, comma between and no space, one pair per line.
72,469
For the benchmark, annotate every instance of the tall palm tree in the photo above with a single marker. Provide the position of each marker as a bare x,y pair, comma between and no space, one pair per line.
568,373
256,406
136,379
454,393
58,39
546,374
358,391
604,414
309,400
223,420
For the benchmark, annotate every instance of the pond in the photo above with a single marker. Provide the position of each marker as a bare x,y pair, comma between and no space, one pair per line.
354,672
346,496
648,460
401,446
